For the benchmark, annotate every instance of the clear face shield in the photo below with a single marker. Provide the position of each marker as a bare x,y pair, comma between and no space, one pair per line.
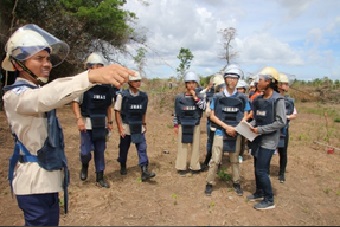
29,40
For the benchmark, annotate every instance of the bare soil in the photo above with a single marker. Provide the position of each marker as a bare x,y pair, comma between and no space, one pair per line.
310,196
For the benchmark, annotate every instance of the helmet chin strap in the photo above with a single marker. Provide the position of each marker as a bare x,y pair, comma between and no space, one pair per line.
40,81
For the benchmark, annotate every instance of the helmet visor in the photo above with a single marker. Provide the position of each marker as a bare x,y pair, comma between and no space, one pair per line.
33,44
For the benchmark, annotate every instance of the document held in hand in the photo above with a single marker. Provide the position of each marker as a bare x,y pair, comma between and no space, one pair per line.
243,128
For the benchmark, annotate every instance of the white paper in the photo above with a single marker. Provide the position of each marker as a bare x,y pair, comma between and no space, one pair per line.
243,128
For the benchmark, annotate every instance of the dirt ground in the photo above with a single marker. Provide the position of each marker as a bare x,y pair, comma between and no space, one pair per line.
310,196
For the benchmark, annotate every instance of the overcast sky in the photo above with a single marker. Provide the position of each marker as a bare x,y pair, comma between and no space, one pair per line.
299,37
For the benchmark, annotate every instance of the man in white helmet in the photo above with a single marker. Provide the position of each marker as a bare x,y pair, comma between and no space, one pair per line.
291,113
93,116
38,169
189,107
269,117
227,110
130,112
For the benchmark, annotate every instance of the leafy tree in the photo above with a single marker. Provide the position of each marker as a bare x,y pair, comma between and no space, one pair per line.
185,56
140,59
86,25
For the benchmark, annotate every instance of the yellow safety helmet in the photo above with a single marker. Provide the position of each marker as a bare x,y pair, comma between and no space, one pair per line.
217,80
283,78
269,71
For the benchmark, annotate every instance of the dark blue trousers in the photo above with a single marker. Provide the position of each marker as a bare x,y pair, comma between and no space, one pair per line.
98,146
40,209
262,167
140,147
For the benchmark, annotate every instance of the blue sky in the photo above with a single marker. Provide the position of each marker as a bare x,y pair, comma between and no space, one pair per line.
299,37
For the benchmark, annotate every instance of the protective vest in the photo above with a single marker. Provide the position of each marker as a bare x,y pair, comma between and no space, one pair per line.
264,113
188,115
264,109
289,104
133,109
209,94
51,156
230,110
95,104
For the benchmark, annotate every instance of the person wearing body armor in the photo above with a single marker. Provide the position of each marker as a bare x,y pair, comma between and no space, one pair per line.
217,86
284,137
227,110
242,88
38,168
130,112
269,118
252,88
189,107
93,116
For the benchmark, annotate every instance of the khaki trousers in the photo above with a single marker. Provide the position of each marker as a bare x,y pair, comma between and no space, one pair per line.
181,162
216,158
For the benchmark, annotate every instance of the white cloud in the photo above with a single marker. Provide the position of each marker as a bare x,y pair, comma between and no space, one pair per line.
294,35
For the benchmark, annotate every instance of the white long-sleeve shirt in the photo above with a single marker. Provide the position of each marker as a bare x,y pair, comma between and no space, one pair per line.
25,111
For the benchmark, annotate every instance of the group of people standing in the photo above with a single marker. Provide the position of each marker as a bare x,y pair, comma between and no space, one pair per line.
38,169
268,113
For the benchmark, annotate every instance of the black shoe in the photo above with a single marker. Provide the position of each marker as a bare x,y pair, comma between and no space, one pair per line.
84,171
146,175
100,180
123,170
182,172
204,167
197,171
238,189
255,197
281,178
208,189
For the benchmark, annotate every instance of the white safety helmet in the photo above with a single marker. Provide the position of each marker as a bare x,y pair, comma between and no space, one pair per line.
94,58
252,84
241,84
29,40
233,70
191,76
136,77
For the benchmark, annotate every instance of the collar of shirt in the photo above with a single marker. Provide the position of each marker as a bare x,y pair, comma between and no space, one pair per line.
227,94
133,94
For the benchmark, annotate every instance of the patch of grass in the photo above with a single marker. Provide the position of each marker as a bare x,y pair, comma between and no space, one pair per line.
174,196
337,119
337,192
327,190
222,175
61,202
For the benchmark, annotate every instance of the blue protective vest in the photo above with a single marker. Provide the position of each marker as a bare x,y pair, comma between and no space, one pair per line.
133,109
51,156
264,113
264,109
230,110
188,115
95,104
289,104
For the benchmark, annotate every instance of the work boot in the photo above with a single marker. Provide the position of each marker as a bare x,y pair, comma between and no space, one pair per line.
100,180
238,189
84,171
123,170
208,189
145,174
